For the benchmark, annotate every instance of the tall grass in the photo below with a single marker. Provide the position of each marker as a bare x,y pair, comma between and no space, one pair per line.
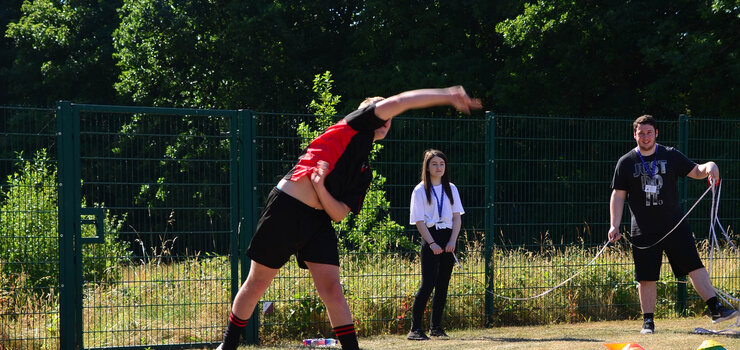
181,302
153,303
380,288
29,318
188,301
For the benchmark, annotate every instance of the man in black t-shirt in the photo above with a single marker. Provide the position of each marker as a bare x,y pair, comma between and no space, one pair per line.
647,178
329,180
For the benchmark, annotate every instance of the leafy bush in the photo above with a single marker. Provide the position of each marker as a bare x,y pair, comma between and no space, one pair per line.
29,237
28,224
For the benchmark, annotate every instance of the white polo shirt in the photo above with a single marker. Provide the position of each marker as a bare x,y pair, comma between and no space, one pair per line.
422,210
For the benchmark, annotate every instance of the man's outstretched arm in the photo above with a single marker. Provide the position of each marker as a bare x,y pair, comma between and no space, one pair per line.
452,96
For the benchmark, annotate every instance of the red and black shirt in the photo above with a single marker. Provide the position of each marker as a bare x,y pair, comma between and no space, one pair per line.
346,146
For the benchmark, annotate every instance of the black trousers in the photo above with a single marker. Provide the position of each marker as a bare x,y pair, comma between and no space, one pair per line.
435,275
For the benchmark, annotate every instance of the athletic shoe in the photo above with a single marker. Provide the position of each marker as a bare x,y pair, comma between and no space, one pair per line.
438,333
648,326
417,334
723,314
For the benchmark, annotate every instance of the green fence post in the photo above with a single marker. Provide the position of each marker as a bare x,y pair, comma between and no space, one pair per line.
489,268
68,134
683,146
234,148
248,207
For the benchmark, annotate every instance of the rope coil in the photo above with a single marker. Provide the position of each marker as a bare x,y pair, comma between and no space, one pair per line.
714,220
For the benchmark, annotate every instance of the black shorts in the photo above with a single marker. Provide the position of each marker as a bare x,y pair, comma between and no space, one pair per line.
287,226
679,247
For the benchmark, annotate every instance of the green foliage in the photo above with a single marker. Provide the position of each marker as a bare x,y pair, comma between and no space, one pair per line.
46,25
403,45
28,222
619,58
224,54
727,6
9,11
29,235
306,311
63,51
554,57
162,45
372,229
103,262
324,109
183,152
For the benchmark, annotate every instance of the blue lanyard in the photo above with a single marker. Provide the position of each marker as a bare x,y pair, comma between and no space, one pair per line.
439,201
650,170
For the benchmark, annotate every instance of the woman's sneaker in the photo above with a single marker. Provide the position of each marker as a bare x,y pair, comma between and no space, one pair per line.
648,326
417,334
438,333
723,314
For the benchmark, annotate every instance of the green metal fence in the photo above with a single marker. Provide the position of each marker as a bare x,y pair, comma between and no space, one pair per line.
169,176
381,284
551,195
29,263
149,215
145,209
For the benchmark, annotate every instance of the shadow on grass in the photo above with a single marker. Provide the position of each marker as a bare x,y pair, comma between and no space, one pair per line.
529,340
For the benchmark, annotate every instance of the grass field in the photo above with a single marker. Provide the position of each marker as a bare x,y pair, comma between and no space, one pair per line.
188,301
674,334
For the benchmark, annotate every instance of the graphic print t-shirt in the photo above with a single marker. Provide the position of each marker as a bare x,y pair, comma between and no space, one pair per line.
653,213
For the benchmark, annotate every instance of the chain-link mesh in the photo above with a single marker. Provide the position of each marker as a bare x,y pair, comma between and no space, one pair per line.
163,271
29,257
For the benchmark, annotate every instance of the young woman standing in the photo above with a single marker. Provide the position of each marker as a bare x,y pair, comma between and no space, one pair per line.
436,211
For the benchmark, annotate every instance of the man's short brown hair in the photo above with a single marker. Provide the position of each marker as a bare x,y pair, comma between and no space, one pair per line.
644,119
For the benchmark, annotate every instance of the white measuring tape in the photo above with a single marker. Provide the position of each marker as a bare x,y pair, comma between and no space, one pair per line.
713,242
559,284
549,290
679,222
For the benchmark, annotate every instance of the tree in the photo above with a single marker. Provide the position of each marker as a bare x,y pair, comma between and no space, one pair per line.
617,58
63,51
259,54
9,11
232,54
403,45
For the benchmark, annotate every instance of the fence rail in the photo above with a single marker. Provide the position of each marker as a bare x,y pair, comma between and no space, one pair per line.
178,191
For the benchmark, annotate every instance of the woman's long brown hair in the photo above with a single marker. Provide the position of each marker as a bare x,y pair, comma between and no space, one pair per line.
426,178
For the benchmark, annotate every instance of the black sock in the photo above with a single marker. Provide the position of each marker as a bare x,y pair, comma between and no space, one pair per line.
233,332
347,336
647,315
712,304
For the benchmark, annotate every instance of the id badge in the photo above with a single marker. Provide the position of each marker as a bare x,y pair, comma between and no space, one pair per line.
651,189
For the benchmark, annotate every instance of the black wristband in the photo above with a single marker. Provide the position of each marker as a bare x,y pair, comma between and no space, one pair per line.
433,242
